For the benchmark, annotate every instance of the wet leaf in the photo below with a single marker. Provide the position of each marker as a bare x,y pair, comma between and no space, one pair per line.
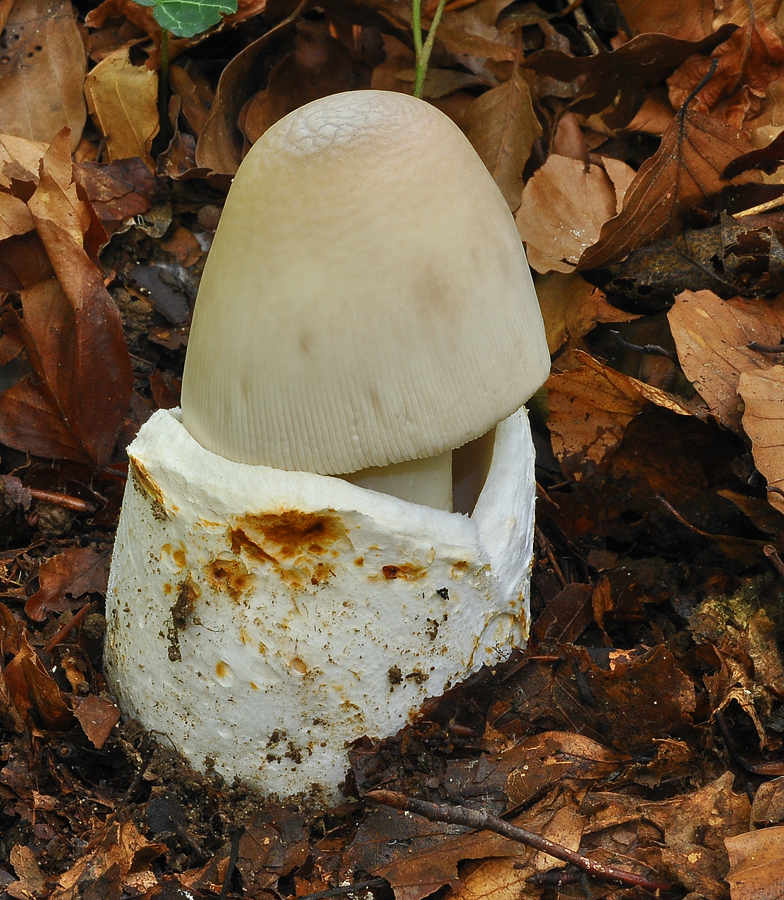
564,206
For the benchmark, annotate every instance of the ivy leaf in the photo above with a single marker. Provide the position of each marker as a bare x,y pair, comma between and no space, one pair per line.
184,18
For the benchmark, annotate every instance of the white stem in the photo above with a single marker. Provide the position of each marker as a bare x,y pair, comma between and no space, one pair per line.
424,481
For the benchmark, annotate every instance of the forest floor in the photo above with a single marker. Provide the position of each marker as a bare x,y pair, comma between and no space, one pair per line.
642,728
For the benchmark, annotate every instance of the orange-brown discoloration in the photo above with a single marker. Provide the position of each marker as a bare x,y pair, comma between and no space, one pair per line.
406,571
145,484
292,541
230,575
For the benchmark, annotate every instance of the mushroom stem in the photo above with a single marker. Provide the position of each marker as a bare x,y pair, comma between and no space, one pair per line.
424,481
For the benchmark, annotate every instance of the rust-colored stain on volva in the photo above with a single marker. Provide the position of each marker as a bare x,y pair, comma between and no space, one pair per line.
222,669
179,558
230,575
406,571
146,485
294,542
299,666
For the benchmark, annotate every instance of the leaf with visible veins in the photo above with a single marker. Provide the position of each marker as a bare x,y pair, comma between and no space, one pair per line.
682,176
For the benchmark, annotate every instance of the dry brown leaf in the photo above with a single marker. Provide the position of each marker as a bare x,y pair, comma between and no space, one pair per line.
757,864
737,11
747,64
74,572
34,692
571,307
681,177
499,879
318,66
42,72
121,846
694,828
502,126
72,333
220,147
15,217
97,718
768,806
17,154
763,422
472,32
689,20
565,828
123,101
564,206
589,408
712,337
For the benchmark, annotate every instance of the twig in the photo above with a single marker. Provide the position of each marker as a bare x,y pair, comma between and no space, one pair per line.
770,551
73,622
236,833
765,348
54,498
545,544
775,203
461,815
646,349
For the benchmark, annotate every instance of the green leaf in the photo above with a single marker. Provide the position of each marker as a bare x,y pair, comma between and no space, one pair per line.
184,18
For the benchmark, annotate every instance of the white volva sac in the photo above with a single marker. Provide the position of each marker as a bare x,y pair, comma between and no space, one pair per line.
366,311
261,619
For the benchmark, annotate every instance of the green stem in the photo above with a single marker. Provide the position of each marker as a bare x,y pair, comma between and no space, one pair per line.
423,51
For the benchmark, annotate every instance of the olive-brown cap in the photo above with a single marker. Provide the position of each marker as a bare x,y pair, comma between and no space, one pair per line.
366,299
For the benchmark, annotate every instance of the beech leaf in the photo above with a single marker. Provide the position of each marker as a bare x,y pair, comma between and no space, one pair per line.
684,174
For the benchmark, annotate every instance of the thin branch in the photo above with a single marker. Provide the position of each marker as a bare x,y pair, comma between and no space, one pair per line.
461,815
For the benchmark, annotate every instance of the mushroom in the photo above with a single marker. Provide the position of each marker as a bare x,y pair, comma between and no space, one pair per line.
288,575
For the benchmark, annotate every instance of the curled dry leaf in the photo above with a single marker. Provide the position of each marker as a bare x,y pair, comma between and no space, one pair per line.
123,101
681,177
756,867
564,206
43,68
712,337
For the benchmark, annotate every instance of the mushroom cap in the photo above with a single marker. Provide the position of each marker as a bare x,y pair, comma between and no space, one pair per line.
366,299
